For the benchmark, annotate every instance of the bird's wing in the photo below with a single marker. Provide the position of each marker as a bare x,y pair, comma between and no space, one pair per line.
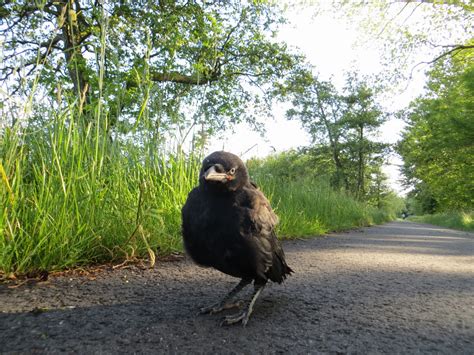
259,228
261,214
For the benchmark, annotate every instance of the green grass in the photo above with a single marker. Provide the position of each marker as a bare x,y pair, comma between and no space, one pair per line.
71,196
305,201
456,220
308,208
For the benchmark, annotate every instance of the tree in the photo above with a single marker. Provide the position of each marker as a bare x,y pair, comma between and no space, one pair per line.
340,123
361,120
420,200
379,189
184,62
319,108
437,146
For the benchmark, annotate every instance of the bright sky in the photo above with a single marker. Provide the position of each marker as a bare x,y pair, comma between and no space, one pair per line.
329,44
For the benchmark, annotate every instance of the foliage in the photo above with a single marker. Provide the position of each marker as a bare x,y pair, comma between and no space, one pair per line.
341,126
92,167
186,63
290,165
437,146
456,220
420,200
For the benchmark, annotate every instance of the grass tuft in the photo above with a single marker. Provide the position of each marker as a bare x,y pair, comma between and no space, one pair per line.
455,219
71,196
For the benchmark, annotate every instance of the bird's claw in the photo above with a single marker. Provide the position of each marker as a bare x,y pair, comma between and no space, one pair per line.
236,318
220,307
206,310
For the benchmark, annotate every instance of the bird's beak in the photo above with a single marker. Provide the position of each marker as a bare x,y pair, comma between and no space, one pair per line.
212,175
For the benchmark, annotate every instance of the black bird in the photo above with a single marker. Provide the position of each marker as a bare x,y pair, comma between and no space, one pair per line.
228,224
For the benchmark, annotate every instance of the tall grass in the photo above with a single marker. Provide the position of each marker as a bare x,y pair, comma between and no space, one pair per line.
455,219
71,196
305,201
311,207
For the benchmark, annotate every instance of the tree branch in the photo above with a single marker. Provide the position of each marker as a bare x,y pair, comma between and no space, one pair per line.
46,44
455,48
231,31
392,19
184,79
176,77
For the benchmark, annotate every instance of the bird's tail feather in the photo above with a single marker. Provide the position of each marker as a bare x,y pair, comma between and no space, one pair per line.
279,269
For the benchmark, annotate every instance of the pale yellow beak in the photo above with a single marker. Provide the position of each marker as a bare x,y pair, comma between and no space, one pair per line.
212,175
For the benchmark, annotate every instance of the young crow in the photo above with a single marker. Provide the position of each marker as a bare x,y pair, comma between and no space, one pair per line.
228,224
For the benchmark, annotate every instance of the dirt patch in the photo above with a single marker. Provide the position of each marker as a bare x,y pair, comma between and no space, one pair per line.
401,287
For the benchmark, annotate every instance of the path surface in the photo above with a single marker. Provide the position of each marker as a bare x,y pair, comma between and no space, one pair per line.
398,288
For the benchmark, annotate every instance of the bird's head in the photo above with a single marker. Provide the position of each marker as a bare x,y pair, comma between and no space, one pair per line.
223,171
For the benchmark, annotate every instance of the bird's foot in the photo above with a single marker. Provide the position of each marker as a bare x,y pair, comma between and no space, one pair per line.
242,317
219,307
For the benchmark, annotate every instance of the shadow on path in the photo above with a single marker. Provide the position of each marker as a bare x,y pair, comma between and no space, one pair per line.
393,288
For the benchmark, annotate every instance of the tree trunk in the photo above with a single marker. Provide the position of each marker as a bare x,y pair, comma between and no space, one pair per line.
334,142
361,166
339,168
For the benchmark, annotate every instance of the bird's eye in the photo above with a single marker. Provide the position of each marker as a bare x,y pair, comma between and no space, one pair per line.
232,171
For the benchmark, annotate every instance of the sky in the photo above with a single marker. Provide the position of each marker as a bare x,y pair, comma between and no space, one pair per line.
332,46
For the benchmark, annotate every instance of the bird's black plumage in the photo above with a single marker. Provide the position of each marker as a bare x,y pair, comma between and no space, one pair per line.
228,224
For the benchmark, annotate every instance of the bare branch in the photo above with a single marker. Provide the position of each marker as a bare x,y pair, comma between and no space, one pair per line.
232,30
391,20
46,44
247,74
411,13
455,49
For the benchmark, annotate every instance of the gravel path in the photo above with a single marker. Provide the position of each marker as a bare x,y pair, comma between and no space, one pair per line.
397,288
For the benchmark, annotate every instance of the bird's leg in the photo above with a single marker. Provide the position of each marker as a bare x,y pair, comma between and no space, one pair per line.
244,315
224,303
